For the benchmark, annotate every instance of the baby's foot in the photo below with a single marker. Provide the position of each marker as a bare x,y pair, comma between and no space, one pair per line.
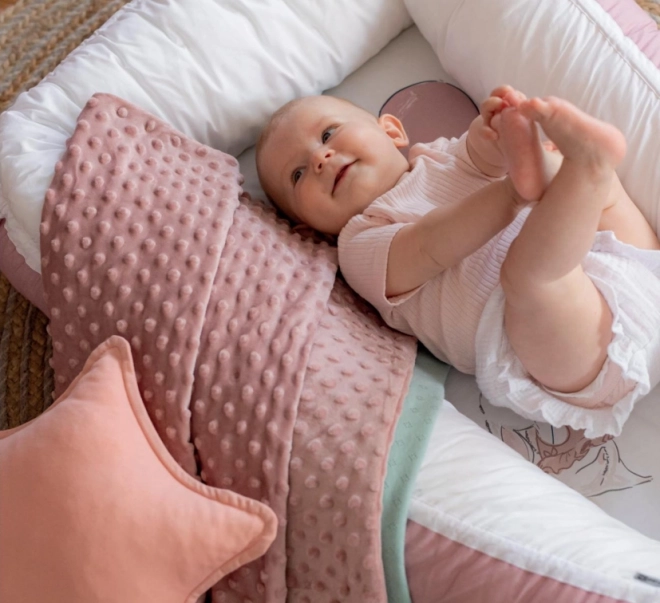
522,150
578,136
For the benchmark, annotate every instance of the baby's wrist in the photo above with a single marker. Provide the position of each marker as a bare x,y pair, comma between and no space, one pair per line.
485,154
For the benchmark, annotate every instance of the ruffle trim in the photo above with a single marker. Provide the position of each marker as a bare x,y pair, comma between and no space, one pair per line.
510,385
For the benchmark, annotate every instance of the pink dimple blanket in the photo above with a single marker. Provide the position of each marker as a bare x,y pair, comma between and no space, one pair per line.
262,372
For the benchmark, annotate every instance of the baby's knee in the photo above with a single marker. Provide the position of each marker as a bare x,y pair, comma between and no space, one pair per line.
528,288
522,283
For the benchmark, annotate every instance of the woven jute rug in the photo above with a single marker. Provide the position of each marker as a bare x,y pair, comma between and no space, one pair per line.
652,7
35,35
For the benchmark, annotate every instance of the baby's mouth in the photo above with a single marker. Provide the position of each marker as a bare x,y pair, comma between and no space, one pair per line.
340,175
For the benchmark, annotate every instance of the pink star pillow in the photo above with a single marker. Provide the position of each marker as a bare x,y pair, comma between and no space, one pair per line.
94,508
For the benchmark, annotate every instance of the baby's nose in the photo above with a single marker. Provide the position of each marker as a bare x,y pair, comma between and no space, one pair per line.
321,158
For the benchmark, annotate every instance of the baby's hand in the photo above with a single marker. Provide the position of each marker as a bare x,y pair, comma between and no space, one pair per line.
501,98
483,137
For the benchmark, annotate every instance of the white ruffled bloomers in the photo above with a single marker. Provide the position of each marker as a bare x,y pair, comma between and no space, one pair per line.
629,280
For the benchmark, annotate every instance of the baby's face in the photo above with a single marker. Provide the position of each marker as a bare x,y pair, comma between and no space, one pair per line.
327,160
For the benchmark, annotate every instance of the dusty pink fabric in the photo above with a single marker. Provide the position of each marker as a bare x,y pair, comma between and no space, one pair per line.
637,25
26,281
440,569
358,370
255,364
120,230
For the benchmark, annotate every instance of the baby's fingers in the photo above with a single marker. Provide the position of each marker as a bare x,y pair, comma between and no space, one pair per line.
515,98
502,91
509,94
490,107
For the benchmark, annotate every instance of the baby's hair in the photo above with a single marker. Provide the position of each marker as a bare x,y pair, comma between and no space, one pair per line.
274,120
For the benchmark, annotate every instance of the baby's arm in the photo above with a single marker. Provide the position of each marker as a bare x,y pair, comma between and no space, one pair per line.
483,140
444,236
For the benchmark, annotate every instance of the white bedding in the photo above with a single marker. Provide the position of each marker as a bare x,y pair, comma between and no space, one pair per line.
621,476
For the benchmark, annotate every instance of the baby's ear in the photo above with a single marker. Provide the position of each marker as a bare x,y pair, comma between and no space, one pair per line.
394,129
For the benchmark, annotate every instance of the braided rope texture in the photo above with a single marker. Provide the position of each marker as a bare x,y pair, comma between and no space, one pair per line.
34,37
652,7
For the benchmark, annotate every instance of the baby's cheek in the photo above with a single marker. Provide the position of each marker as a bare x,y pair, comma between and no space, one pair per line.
303,205
370,138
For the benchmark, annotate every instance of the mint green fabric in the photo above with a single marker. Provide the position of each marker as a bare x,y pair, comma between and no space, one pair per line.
419,412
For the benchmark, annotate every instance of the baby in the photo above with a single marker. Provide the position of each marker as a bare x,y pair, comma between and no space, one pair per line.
523,263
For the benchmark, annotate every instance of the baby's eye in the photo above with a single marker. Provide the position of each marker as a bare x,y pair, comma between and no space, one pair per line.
297,174
326,134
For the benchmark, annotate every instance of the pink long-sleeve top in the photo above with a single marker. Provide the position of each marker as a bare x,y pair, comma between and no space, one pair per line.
444,312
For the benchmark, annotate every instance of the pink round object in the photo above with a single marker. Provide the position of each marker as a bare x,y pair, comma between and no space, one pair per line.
430,110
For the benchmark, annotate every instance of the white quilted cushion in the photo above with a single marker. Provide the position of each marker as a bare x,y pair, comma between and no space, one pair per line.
567,48
475,490
214,69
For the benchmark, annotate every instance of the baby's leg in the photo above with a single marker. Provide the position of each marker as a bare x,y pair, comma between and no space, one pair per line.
533,165
558,323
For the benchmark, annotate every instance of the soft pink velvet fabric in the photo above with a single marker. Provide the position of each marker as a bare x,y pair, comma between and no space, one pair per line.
257,366
440,569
